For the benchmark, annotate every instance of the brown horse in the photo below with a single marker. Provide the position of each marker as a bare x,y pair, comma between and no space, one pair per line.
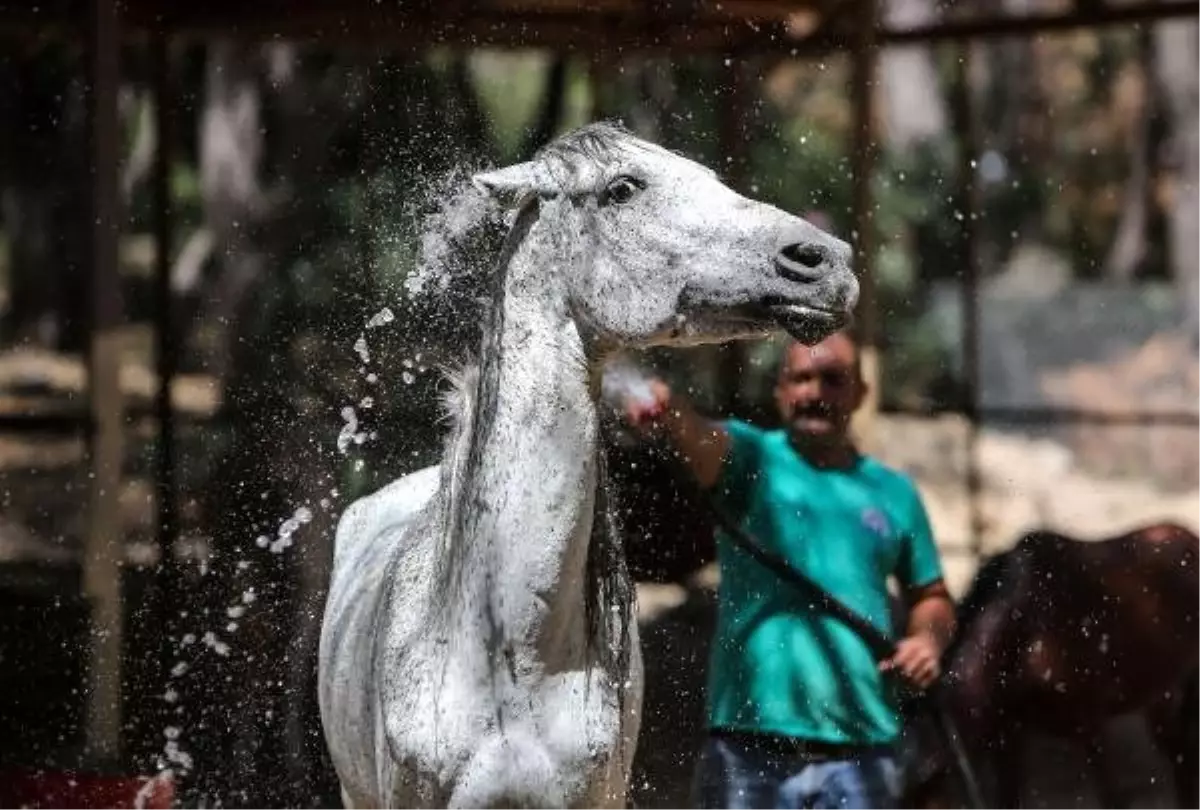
1060,635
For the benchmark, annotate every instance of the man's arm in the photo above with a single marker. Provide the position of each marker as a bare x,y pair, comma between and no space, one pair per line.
701,442
931,611
931,625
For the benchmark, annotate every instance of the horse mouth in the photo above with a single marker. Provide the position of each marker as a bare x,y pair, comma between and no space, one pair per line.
806,323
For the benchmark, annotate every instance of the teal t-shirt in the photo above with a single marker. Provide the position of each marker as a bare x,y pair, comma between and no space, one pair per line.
778,665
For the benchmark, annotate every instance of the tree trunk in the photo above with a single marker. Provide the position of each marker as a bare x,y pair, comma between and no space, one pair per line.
1128,251
1176,68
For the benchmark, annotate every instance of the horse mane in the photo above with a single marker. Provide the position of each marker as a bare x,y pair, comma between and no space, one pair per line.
462,406
466,240
596,141
459,407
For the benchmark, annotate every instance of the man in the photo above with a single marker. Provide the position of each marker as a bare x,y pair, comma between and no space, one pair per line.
799,712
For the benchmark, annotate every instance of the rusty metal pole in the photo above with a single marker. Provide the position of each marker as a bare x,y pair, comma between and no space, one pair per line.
865,55
104,544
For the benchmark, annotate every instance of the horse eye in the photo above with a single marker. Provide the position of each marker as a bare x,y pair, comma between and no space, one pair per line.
621,190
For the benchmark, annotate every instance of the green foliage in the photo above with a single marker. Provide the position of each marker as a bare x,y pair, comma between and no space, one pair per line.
803,170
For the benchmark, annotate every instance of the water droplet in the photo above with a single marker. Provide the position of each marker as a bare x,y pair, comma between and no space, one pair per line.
381,318
360,346
349,433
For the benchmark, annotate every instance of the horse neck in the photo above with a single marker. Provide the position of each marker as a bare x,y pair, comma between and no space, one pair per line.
522,513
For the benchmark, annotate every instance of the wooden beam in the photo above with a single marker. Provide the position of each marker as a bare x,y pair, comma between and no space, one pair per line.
583,29
1102,16
103,544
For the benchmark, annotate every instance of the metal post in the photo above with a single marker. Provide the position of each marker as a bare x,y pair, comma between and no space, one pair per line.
164,337
732,141
167,592
104,544
964,124
865,54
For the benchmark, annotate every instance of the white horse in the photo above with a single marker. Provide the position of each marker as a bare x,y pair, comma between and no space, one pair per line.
479,647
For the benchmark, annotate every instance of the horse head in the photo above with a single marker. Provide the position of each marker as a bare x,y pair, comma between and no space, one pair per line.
652,248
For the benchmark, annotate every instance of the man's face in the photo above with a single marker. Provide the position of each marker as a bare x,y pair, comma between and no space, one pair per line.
819,388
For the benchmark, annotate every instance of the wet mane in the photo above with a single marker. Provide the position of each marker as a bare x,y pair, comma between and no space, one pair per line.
465,405
597,142
469,247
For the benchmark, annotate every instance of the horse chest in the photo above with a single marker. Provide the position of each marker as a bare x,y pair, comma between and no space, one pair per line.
470,733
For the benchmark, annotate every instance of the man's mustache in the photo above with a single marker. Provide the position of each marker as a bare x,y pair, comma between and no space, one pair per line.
816,410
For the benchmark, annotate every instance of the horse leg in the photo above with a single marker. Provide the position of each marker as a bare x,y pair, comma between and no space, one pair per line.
1175,729
1109,787
1168,724
1006,768
1187,756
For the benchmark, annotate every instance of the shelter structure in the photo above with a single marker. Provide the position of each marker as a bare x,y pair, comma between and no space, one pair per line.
597,28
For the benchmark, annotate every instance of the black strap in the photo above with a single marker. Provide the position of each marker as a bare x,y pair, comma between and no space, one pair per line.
882,647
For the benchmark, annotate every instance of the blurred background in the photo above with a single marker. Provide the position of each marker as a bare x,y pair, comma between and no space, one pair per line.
203,210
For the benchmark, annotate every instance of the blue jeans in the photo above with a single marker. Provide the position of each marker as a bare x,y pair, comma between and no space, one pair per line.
735,773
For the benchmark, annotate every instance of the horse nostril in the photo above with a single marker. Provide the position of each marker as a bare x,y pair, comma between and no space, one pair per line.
810,256
799,259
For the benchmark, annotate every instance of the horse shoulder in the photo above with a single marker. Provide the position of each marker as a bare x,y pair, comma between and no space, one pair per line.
391,507
379,540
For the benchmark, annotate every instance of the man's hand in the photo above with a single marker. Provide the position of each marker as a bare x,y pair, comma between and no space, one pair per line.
918,658
645,413
701,444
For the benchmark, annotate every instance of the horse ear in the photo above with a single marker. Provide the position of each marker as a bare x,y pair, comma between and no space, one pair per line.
512,185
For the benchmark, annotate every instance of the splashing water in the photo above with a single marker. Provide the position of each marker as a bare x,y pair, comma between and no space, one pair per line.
459,209
287,529
350,433
450,215
172,753
360,346
381,318
215,644
624,380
